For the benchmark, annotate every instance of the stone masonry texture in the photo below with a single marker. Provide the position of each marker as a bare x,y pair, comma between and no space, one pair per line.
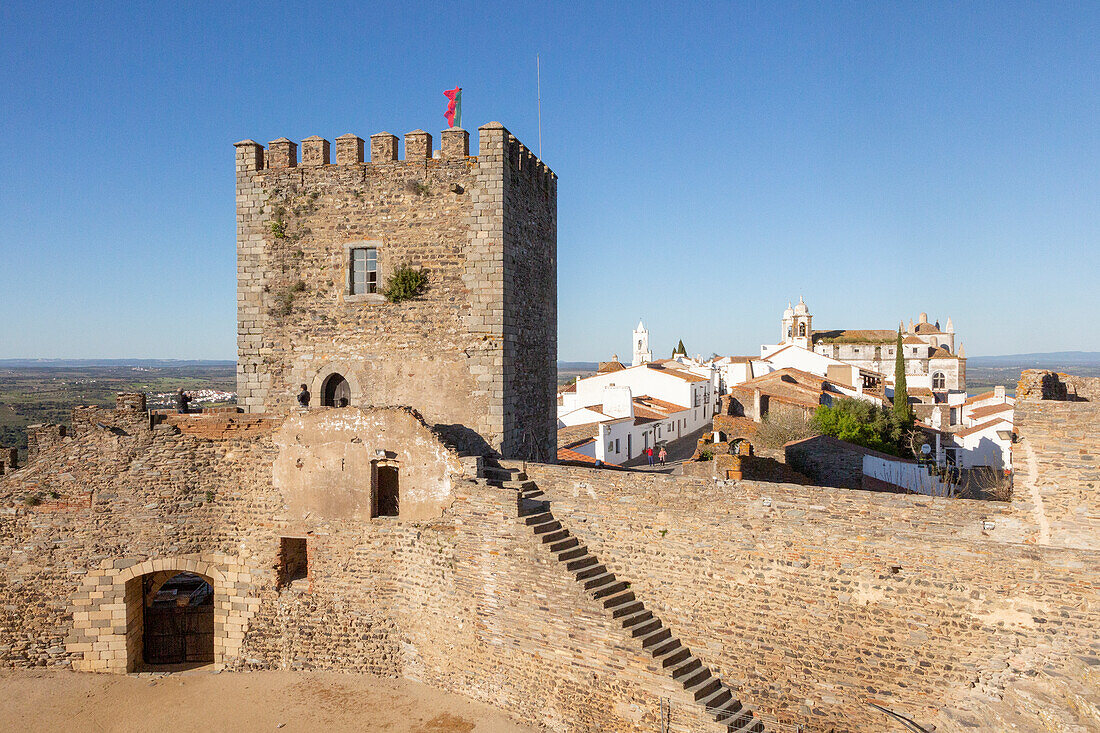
476,351
808,602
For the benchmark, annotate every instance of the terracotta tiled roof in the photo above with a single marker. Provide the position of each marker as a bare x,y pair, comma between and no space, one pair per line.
735,427
942,353
927,328
660,404
979,428
979,398
678,373
856,336
991,410
571,387
570,456
913,340
607,367
742,359
575,434
789,385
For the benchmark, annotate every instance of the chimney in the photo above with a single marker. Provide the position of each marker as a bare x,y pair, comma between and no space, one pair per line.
999,392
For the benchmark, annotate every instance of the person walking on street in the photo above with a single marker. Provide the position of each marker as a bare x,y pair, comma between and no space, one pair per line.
649,455
182,400
303,397
663,455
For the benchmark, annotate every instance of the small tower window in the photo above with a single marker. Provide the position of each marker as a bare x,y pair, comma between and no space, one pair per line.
802,329
939,381
364,270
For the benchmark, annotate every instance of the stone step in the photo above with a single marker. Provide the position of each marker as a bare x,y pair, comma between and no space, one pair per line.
646,627
749,724
540,518
696,677
636,618
564,544
619,600
610,589
704,688
573,554
592,571
689,665
554,535
716,700
656,638
596,581
675,654
584,562
731,713
548,528
626,609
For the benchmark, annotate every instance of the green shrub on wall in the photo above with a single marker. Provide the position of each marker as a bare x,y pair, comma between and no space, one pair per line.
405,284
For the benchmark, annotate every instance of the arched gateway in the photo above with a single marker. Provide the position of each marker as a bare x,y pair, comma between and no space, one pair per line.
131,614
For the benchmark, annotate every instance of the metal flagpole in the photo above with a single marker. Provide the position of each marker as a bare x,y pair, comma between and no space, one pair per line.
538,84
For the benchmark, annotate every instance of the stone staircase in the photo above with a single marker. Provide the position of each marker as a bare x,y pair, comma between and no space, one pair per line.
623,607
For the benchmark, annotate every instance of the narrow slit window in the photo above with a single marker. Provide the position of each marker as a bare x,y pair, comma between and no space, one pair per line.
364,270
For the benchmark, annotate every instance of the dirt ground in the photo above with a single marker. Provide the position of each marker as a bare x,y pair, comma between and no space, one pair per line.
201,700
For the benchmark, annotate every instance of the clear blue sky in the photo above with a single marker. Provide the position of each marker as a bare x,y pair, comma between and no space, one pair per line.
714,161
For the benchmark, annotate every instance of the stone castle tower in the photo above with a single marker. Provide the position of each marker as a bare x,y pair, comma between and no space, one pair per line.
317,240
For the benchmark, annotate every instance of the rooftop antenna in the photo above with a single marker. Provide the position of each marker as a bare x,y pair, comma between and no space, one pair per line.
538,86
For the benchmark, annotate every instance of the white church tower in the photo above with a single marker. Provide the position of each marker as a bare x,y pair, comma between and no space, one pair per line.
642,354
798,325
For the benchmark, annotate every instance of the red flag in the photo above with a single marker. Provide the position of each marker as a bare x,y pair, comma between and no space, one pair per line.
454,107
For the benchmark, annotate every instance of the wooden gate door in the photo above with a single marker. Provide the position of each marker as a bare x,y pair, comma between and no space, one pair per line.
174,635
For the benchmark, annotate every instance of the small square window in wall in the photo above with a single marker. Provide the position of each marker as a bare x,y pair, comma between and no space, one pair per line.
293,560
364,270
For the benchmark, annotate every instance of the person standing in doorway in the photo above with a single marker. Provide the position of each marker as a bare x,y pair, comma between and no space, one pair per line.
663,455
303,397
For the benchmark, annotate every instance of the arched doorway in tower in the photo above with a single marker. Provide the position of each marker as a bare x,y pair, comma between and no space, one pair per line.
177,619
335,392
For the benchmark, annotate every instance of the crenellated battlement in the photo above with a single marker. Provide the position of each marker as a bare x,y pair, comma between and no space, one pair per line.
385,149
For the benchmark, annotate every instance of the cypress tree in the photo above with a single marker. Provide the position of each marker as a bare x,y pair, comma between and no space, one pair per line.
679,349
901,394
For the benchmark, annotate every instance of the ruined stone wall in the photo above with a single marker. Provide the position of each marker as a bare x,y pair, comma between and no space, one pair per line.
808,600
467,599
1056,457
477,345
815,600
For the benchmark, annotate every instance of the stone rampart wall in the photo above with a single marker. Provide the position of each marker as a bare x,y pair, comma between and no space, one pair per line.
815,600
809,600
468,599
1056,457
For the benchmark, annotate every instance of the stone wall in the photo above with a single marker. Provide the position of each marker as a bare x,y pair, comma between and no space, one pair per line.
829,461
809,601
475,351
458,593
1056,457
816,600
9,460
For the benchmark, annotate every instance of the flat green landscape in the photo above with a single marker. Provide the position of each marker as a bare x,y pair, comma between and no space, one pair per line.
47,394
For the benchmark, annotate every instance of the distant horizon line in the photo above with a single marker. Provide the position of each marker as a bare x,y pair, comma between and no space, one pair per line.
122,361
